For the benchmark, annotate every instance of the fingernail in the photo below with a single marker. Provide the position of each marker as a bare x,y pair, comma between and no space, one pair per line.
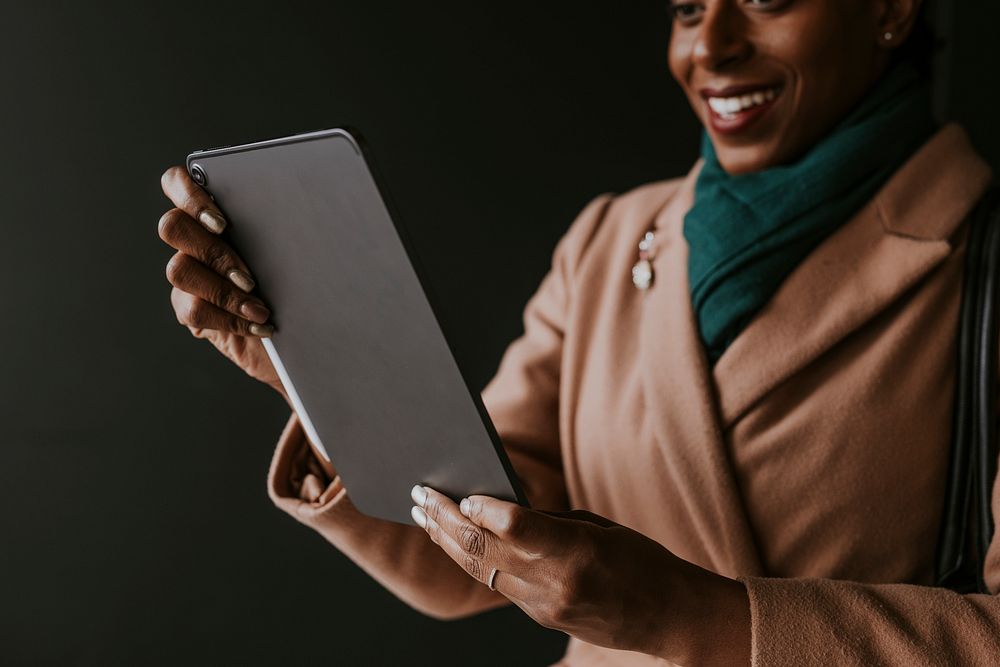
255,312
463,506
212,221
419,516
419,494
261,330
241,280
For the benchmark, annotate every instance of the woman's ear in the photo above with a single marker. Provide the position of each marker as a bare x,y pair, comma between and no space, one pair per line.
896,20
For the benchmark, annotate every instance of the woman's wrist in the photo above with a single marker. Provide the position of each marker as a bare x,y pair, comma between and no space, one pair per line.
708,621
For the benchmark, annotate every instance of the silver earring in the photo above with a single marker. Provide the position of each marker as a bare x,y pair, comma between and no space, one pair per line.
888,36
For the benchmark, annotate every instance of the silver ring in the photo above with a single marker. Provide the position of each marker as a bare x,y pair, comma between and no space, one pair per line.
489,582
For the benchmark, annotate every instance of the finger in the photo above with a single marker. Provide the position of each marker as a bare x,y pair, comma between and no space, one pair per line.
504,581
476,541
481,549
194,312
181,232
188,274
187,195
527,529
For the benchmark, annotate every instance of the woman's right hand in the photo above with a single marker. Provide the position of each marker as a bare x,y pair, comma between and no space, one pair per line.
212,287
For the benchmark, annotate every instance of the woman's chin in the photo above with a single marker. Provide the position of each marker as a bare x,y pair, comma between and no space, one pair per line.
760,144
746,159
750,154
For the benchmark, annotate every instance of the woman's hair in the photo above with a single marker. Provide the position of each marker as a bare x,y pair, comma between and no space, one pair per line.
920,47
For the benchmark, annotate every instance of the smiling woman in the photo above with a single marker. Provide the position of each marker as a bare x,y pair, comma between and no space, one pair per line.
737,456
803,65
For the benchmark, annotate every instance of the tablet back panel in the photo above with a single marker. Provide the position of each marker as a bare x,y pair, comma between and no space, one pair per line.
356,340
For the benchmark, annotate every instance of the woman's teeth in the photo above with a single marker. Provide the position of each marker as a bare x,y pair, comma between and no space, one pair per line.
728,107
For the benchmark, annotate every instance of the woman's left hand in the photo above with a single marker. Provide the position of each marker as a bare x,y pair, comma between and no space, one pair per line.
592,578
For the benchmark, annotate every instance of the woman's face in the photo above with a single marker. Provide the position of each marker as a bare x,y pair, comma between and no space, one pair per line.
768,78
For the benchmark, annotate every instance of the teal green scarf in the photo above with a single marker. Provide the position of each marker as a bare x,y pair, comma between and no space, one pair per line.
746,233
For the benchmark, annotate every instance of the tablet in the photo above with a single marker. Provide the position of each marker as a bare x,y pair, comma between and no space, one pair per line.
357,344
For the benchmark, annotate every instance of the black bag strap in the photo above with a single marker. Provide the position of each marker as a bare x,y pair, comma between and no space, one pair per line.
967,521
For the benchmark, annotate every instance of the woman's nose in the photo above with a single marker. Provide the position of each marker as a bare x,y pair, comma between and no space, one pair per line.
722,38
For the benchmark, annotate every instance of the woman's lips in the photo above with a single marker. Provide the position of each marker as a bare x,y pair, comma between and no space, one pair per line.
732,110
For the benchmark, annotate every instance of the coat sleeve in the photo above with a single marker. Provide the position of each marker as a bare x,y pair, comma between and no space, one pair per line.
522,400
828,622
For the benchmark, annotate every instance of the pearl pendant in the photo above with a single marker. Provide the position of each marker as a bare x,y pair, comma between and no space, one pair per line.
642,274
642,271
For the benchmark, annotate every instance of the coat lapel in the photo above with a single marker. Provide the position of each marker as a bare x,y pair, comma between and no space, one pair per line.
678,384
886,249
864,267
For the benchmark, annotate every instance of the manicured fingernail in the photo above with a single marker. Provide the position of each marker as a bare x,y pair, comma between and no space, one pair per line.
463,506
419,494
213,221
255,312
241,280
261,330
419,516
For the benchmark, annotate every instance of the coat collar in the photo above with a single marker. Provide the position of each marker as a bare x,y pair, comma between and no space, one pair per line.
886,248
890,244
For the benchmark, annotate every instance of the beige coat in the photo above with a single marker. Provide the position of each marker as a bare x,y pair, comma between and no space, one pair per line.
809,463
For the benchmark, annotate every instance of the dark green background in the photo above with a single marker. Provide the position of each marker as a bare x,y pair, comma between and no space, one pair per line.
134,525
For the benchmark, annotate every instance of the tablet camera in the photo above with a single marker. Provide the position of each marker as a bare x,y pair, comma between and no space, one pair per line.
198,174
